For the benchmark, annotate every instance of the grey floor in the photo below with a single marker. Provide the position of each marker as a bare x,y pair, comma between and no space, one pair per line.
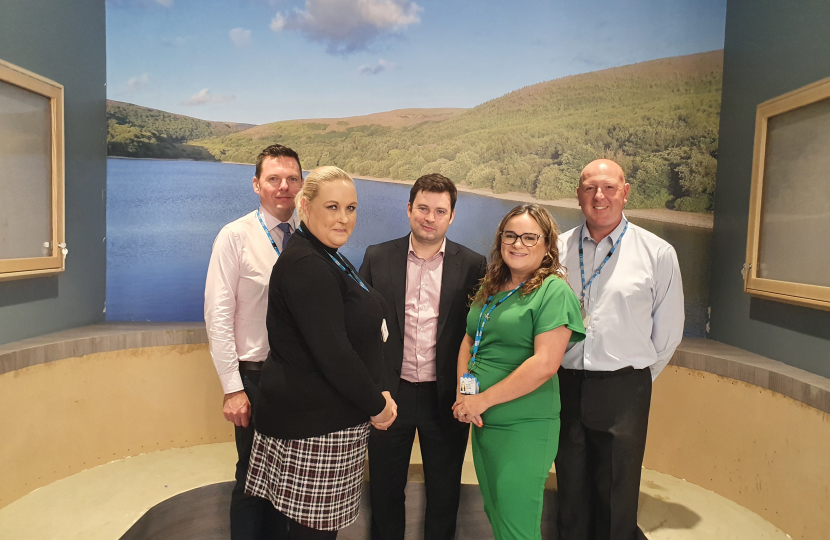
187,491
202,514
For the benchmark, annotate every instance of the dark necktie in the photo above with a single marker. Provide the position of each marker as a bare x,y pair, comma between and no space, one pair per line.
286,233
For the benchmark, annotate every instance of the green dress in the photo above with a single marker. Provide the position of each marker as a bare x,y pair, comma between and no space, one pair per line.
514,451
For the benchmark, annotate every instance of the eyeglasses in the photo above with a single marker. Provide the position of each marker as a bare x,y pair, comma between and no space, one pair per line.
528,239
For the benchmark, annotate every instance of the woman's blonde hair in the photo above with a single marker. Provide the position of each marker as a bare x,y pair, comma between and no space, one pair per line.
312,183
497,270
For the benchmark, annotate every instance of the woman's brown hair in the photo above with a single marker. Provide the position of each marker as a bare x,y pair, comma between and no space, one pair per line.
498,272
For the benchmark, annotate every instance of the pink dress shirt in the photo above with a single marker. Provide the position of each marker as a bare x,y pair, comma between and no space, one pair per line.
423,297
236,294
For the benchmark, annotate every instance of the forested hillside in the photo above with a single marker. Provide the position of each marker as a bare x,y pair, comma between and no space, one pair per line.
658,119
135,131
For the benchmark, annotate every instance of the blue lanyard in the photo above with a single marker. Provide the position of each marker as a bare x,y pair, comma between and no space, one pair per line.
264,228
582,265
349,272
482,320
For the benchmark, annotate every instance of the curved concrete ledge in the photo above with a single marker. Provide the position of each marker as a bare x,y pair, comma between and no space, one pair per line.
694,353
97,338
733,363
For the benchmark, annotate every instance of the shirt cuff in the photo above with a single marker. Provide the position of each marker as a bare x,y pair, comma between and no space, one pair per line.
231,382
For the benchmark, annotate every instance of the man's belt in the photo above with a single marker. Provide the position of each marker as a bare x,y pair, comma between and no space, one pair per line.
422,383
588,374
250,366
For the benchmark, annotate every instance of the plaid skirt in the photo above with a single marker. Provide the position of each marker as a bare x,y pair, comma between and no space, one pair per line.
315,481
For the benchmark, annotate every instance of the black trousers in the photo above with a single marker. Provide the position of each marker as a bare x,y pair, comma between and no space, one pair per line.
601,446
252,518
298,531
389,455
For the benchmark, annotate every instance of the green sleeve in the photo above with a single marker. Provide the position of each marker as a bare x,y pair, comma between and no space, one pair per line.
556,305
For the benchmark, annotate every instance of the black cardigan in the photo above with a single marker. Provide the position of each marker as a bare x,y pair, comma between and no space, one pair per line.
325,367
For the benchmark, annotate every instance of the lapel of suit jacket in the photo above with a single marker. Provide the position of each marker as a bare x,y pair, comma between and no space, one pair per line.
449,282
397,273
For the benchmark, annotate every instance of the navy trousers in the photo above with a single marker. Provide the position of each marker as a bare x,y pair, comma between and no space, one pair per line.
443,457
252,518
601,446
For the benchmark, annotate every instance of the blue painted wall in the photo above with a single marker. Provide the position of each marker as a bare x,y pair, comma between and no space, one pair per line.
772,47
66,42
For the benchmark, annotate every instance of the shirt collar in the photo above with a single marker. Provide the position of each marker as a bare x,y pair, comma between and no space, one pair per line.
613,236
271,222
440,251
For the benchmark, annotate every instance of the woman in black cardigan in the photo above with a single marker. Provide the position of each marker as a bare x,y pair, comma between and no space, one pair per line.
321,383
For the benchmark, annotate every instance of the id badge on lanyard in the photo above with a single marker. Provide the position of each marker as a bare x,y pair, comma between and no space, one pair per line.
469,382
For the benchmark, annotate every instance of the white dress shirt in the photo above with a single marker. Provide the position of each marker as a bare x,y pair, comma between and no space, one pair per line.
236,293
635,304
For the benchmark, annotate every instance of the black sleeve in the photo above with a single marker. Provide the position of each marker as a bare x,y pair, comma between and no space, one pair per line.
366,267
366,274
315,300
482,268
481,271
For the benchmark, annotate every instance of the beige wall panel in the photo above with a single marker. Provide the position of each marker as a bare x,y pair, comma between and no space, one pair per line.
765,451
66,416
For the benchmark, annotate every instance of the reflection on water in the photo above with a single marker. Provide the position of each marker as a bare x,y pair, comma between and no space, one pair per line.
162,217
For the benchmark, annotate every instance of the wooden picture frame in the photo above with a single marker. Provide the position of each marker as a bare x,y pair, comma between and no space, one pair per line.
789,213
31,174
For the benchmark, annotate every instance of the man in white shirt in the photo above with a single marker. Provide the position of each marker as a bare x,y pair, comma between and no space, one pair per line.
236,301
629,286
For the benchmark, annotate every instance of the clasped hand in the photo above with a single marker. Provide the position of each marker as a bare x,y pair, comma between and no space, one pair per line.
387,416
469,408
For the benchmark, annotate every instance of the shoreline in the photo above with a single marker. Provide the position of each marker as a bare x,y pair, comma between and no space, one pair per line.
178,159
662,215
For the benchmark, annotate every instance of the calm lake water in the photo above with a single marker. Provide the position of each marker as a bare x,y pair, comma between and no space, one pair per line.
162,217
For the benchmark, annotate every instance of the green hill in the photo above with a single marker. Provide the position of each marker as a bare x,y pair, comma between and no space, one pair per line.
658,119
135,131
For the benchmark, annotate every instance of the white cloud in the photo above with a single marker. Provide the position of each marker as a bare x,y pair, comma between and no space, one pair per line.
138,84
278,22
203,97
380,67
346,26
165,3
241,38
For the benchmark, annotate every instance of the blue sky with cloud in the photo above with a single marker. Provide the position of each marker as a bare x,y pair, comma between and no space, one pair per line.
260,61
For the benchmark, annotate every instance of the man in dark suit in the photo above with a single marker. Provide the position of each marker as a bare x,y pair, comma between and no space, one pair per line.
427,281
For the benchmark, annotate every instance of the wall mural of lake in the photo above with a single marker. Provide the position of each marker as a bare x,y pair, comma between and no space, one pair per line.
162,217
506,101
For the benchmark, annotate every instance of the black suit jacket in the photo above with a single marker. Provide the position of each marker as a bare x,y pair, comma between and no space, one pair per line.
384,268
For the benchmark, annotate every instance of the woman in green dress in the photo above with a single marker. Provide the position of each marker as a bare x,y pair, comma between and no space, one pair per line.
522,319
